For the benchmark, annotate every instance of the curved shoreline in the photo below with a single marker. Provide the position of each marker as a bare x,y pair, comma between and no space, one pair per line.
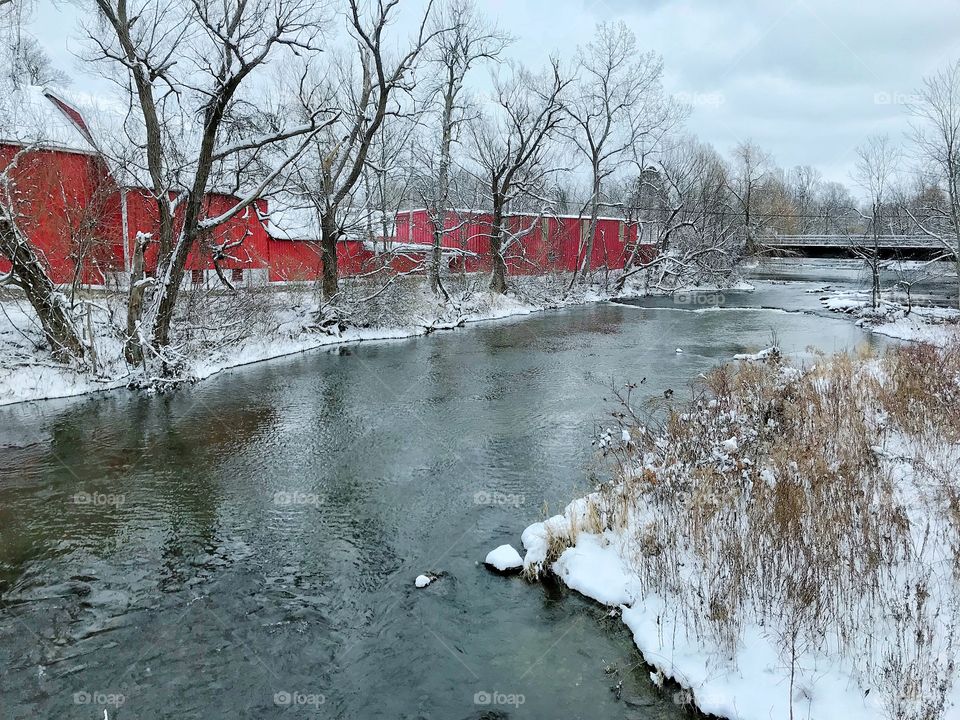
353,336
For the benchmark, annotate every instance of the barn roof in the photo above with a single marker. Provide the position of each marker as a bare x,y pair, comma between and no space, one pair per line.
37,116
290,217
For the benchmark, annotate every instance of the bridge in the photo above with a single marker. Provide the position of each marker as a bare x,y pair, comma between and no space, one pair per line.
909,246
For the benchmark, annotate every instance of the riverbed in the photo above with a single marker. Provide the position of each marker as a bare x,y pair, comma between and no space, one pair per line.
246,547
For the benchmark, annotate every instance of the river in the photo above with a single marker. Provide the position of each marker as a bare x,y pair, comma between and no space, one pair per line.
246,547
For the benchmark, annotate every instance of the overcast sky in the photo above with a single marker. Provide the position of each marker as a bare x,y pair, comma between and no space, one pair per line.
808,80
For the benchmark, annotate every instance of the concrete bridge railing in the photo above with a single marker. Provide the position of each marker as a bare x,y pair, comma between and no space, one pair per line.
886,242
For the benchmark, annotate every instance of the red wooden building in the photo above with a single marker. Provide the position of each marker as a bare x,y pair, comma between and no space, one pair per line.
536,244
84,223
57,187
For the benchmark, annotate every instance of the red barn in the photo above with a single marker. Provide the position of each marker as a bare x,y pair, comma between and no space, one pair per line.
295,253
80,220
535,244
84,223
239,246
59,189
294,260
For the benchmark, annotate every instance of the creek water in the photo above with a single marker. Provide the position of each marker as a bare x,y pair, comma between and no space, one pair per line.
246,547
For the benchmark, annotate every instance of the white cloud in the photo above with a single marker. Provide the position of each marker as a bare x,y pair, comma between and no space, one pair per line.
800,77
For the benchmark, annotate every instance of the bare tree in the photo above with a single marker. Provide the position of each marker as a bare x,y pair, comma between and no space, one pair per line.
936,110
877,162
835,208
463,38
183,64
511,150
803,184
751,166
617,104
364,86
388,176
689,229
30,65
27,271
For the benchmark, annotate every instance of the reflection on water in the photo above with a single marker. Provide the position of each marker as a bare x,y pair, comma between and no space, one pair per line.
246,547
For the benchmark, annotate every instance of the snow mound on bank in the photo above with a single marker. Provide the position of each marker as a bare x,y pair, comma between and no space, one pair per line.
753,689
595,568
750,686
770,352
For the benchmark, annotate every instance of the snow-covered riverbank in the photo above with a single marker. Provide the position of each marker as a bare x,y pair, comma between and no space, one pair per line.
920,323
785,545
218,331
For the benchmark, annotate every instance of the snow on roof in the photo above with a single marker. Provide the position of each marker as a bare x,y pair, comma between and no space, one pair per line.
36,116
82,123
291,218
286,221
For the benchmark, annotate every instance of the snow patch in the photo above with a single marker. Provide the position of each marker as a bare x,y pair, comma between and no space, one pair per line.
504,558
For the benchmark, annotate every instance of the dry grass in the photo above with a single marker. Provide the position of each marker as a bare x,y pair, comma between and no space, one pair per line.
834,525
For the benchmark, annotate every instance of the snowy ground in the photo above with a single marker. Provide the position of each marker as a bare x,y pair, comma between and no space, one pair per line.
935,325
217,330
787,545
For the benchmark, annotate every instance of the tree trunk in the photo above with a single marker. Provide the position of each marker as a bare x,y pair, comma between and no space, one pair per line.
50,306
368,220
956,264
585,266
168,290
875,261
953,197
498,277
748,247
329,234
955,218
443,198
385,229
133,347
436,257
